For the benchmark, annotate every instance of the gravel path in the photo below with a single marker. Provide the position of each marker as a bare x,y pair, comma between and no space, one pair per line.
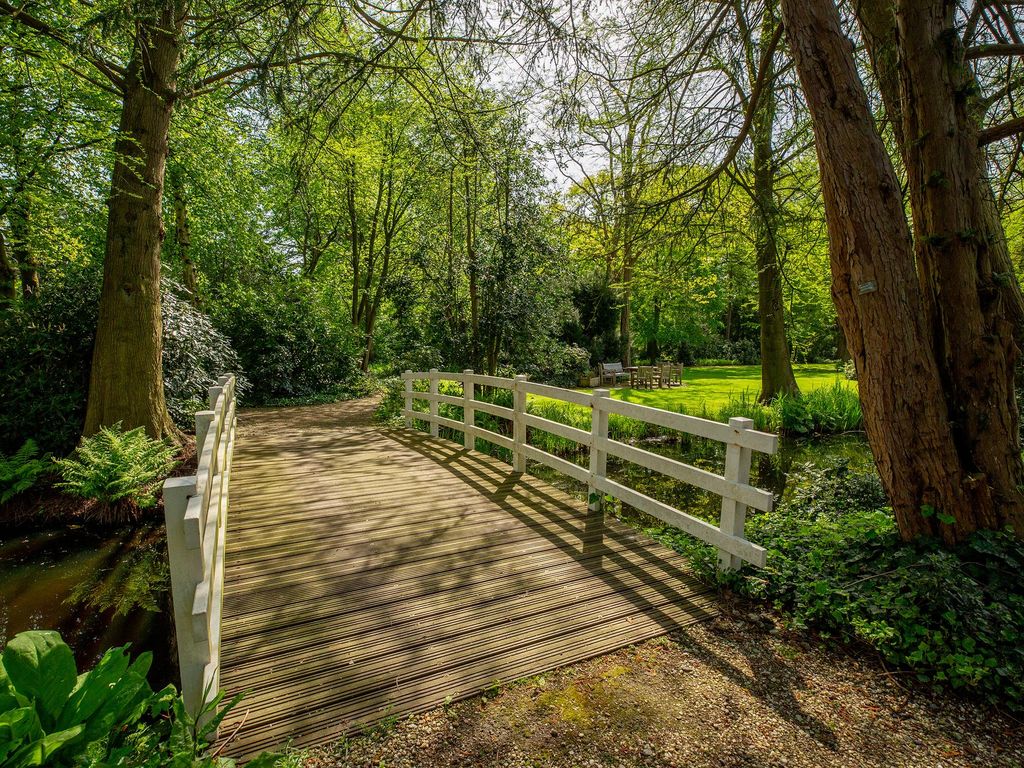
737,691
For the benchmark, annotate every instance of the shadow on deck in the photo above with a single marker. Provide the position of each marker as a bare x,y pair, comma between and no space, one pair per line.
379,572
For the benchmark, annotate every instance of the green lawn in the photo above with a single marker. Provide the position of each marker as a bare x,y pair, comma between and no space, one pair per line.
715,386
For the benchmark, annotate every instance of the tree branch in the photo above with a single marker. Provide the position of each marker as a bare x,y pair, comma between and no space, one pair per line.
1001,131
993,50
112,72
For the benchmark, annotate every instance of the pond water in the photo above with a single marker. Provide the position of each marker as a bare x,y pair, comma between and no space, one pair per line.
98,589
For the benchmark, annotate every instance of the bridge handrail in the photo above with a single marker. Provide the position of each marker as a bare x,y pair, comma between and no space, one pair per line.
195,511
733,486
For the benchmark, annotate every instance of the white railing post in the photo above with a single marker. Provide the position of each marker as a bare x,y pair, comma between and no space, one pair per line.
186,566
408,399
518,424
734,514
598,456
203,421
433,402
195,512
468,413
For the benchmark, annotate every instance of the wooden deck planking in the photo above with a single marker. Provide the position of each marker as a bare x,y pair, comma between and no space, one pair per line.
374,572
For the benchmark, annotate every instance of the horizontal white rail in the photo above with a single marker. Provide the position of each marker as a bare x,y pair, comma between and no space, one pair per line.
195,511
733,486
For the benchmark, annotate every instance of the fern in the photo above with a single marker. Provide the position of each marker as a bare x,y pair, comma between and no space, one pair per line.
114,465
21,471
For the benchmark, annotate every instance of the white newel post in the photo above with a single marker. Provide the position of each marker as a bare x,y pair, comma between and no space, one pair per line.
734,514
468,413
433,402
598,456
186,565
203,421
408,399
519,424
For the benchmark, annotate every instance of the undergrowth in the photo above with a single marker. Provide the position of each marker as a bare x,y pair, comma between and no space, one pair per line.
22,470
114,467
837,565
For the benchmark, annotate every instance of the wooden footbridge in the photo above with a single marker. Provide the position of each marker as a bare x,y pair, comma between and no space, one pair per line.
367,572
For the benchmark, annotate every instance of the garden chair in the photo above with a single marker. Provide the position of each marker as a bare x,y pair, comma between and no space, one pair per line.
612,372
645,377
665,376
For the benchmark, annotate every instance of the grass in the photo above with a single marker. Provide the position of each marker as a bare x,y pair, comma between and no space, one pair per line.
712,388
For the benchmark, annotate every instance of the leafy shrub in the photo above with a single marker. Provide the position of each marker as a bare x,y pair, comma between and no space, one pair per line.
46,345
113,465
46,349
290,345
389,409
834,409
20,472
195,354
837,564
822,411
560,365
109,716
53,716
850,370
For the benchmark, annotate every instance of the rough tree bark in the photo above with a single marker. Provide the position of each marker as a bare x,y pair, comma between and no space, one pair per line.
776,368
126,381
20,217
8,275
961,254
877,22
183,241
878,297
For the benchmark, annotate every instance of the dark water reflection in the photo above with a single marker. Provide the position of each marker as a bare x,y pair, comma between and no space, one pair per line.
98,589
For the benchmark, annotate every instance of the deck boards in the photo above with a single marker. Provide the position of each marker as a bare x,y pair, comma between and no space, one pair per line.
376,572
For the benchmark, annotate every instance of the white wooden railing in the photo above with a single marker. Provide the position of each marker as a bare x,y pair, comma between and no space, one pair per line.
195,509
734,488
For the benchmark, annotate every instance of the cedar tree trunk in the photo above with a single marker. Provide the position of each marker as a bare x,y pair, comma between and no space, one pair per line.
886,321
776,368
126,381
960,251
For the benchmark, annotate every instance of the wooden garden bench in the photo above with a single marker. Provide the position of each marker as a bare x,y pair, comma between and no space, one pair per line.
612,372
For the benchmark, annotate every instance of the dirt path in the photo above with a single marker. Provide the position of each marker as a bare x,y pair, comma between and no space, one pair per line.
727,694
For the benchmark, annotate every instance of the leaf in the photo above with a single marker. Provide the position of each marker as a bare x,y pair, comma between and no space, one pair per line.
9,697
40,751
16,726
41,666
126,703
94,687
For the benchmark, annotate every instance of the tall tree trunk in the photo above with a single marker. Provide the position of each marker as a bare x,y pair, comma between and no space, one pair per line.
183,241
353,237
878,295
776,368
8,275
653,350
21,245
126,380
877,21
474,290
961,251
625,316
